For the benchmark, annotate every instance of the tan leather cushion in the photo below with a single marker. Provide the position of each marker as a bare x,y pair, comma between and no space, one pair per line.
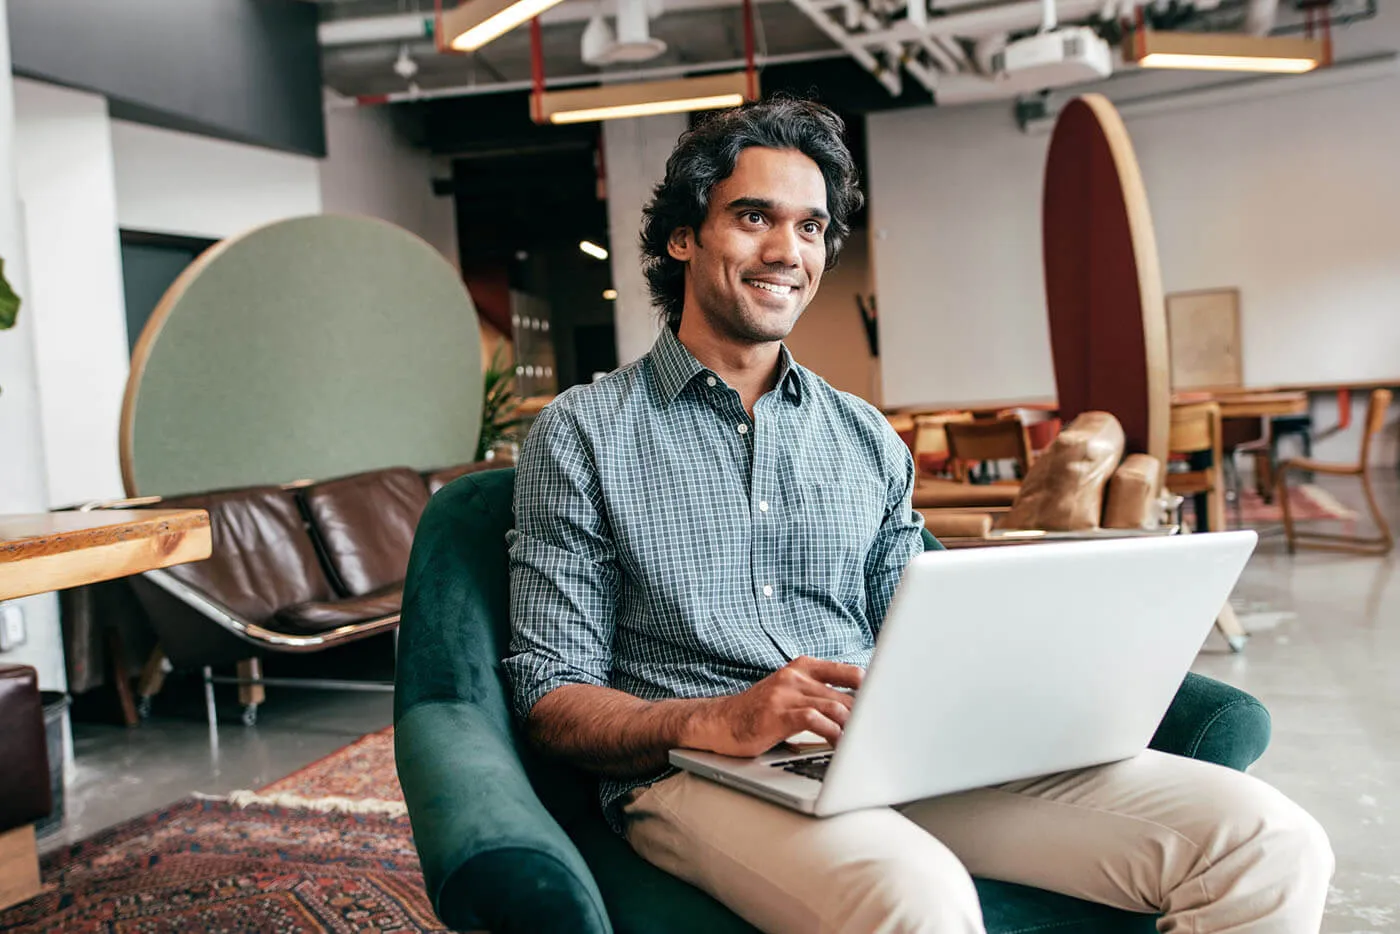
263,558
365,524
1063,490
930,493
322,615
1132,494
956,524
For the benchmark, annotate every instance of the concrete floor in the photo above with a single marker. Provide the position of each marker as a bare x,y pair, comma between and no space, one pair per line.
1324,657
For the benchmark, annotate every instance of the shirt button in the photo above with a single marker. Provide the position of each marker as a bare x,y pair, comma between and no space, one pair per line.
709,381
768,590
763,506
743,429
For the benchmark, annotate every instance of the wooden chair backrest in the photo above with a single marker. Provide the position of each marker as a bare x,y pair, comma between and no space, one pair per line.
1375,421
1003,439
930,431
1195,428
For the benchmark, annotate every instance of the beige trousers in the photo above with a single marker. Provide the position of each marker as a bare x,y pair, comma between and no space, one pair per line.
1210,848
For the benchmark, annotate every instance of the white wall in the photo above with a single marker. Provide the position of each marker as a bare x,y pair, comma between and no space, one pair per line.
22,474
635,152
66,184
1295,199
370,170
178,183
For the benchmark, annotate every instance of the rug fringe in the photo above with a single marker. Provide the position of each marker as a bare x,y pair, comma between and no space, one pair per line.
245,799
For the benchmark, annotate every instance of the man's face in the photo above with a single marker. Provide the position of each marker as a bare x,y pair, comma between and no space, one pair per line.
761,249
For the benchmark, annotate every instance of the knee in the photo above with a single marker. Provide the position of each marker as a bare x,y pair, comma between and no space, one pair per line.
1281,835
913,897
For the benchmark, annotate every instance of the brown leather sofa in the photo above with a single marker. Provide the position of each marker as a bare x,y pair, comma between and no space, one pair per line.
294,569
24,782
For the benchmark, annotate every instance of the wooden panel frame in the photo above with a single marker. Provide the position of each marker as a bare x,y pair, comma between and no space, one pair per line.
1187,342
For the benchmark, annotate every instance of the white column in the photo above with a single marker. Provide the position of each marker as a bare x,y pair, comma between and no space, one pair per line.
636,152
22,473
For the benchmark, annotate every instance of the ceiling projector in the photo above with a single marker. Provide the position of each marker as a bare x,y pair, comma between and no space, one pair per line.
1053,59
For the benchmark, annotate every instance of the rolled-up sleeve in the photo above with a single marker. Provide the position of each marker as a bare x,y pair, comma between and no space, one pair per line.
900,537
563,569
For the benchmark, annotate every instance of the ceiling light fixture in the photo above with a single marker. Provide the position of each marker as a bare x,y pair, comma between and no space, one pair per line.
1225,52
471,25
645,98
609,294
592,249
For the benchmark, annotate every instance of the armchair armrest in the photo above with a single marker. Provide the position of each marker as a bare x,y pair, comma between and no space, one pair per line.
1213,722
493,858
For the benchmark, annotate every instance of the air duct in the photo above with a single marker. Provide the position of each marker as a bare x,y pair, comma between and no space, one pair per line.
633,41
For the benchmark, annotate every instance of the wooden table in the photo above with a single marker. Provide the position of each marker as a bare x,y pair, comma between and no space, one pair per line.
1248,403
56,550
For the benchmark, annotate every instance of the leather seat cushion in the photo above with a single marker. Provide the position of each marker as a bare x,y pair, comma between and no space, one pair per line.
932,493
365,525
24,780
323,615
1133,494
263,558
1064,489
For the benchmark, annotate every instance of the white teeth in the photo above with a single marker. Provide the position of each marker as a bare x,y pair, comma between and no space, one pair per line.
769,287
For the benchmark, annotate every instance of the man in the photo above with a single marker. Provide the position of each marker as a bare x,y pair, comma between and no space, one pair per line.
706,543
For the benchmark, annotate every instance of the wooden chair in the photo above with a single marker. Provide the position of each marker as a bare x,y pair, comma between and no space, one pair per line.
1378,545
976,442
931,441
1195,430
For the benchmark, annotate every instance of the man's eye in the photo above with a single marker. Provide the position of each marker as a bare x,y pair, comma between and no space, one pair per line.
812,227
753,217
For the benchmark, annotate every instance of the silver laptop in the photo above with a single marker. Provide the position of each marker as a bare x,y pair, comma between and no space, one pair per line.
996,664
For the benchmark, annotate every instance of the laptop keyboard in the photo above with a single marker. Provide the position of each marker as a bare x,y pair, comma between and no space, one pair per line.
809,766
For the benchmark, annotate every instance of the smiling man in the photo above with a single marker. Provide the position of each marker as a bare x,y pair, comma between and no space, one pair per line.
706,543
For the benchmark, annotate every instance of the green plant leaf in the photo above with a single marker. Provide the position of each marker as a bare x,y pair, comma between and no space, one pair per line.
9,301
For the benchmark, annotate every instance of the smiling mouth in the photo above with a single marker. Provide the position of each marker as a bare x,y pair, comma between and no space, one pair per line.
771,287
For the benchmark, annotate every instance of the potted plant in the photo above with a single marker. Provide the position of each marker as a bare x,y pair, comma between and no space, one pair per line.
498,405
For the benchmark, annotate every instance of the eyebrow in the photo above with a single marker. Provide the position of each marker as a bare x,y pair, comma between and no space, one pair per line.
763,204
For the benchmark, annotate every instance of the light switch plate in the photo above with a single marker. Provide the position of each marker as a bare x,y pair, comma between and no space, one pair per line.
12,633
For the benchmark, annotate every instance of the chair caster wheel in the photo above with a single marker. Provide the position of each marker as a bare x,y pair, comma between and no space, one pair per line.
250,715
1237,643
143,707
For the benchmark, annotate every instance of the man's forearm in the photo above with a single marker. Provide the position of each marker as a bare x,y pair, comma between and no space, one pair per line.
612,732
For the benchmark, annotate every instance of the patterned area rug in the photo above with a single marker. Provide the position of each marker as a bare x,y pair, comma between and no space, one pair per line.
343,861
1309,503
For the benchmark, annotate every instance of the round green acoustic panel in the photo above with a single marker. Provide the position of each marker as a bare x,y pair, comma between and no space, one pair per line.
309,348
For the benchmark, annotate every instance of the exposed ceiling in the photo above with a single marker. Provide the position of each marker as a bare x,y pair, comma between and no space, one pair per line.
362,40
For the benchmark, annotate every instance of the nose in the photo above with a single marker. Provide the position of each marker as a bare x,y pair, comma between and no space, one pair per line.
781,247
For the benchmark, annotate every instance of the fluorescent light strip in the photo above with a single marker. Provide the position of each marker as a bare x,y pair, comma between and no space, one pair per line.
650,108
499,24
592,249
1183,60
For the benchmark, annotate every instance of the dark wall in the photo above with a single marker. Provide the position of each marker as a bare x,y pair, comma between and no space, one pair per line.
243,70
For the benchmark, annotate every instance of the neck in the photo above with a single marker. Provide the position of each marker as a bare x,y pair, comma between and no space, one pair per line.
751,369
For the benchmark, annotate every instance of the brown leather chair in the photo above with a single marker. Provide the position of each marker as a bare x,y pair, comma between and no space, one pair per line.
25,795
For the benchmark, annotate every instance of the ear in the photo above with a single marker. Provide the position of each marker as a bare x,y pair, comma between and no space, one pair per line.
681,245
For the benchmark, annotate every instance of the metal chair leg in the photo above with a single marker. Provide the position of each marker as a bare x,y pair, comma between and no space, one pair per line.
210,709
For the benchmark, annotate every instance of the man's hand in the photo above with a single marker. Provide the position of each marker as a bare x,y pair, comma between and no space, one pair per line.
802,695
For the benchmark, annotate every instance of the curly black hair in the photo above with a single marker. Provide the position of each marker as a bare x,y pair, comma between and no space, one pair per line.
706,155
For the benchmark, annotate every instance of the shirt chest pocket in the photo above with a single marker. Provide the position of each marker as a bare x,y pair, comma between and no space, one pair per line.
839,517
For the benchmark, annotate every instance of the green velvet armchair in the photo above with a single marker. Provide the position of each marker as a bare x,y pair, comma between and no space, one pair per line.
511,842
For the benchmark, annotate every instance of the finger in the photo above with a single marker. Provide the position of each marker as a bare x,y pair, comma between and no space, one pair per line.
818,690
810,718
837,674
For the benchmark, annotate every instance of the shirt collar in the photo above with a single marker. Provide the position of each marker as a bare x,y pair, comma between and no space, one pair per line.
675,367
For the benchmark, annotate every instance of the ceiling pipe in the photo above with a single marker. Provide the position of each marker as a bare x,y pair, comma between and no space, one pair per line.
954,50
886,76
1012,17
569,81
936,52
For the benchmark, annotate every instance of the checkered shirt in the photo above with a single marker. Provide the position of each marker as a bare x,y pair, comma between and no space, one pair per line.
667,545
